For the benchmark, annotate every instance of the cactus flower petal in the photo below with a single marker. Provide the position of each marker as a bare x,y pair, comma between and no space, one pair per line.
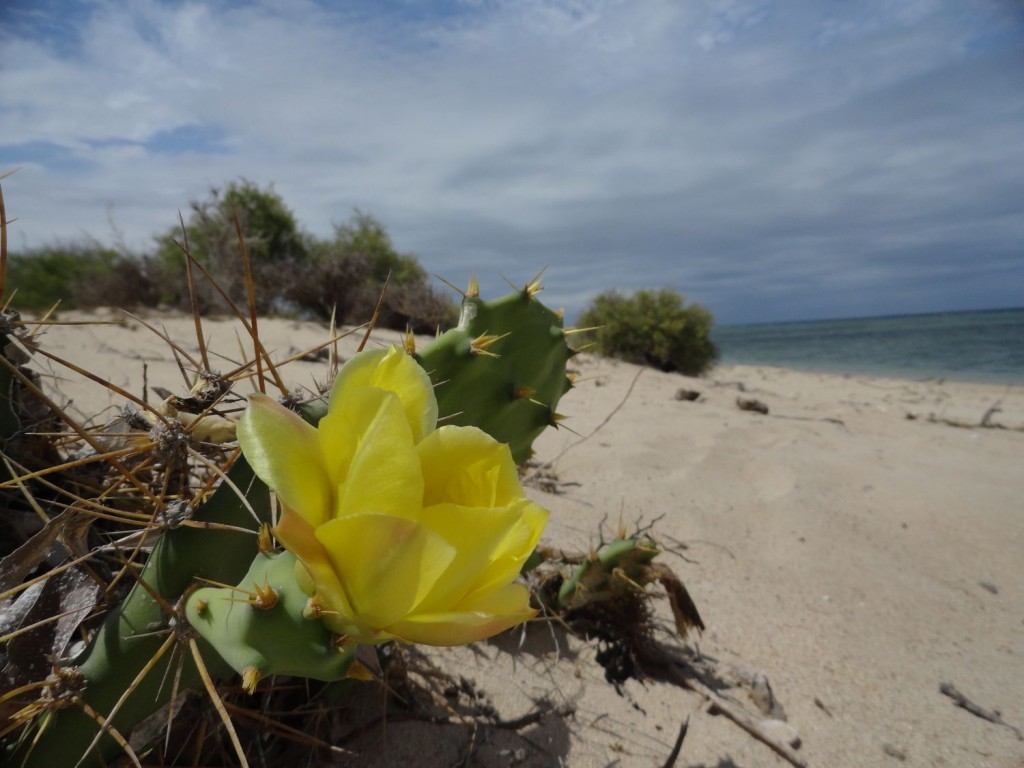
389,369
508,558
469,467
403,531
282,450
387,564
369,451
475,533
500,611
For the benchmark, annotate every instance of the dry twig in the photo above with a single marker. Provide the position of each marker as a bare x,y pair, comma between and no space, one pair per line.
992,716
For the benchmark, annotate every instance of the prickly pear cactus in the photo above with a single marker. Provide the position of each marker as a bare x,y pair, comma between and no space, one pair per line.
623,567
129,640
622,564
502,369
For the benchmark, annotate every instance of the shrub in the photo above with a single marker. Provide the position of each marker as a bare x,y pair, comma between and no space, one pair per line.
348,287
44,276
127,282
652,328
81,276
349,272
292,271
272,238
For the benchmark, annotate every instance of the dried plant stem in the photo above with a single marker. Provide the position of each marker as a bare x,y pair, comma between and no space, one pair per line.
129,691
192,293
211,689
105,727
3,242
672,669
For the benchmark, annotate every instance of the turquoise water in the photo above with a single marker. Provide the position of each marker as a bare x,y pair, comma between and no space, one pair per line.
985,346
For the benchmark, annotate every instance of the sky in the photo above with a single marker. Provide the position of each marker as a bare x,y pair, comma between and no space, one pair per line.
770,160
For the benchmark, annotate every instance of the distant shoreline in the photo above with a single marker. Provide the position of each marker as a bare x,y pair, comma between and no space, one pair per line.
913,376
897,316
984,346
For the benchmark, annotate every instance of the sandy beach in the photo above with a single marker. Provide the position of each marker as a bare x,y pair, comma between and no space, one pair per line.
858,545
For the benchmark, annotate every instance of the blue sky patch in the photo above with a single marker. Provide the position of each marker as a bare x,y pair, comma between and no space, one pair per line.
53,156
199,139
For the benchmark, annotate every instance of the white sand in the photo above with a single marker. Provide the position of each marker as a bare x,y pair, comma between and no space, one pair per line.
837,546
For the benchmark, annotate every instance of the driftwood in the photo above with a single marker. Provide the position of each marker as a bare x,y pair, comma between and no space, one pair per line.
985,422
992,716
678,671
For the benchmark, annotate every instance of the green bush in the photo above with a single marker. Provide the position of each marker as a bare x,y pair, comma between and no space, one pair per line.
272,238
652,328
81,277
292,271
45,276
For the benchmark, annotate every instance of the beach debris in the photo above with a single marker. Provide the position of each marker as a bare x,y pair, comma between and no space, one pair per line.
543,477
893,751
989,586
985,423
986,420
764,698
781,732
687,395
991,715
751,404
760,691
678,746
680,671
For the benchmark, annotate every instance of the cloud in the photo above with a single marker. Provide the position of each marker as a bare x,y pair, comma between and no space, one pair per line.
770,160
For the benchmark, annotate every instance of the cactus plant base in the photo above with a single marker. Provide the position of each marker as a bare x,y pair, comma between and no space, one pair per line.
603,596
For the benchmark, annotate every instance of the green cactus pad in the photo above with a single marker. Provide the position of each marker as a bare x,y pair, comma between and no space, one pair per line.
592,579
502,369
272,641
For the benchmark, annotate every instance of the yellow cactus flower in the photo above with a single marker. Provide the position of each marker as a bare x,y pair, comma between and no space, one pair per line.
403,530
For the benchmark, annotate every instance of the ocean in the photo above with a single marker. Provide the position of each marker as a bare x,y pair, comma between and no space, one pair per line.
981,346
